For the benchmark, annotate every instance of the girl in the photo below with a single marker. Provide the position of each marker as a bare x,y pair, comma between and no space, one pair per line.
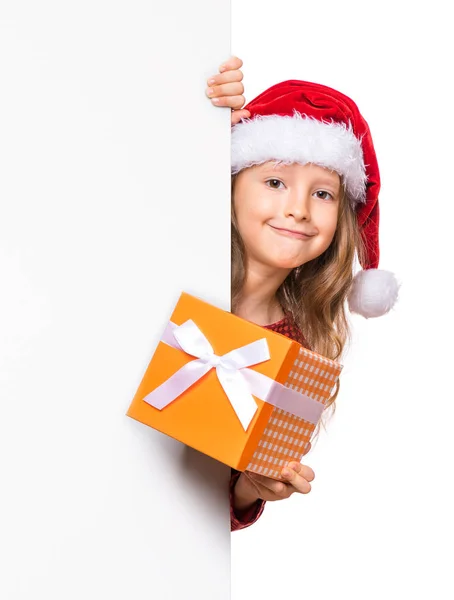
305,185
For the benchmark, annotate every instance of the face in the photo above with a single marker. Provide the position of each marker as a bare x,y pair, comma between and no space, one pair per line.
286,214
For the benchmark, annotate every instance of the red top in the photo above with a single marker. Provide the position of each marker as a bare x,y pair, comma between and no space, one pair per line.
286,327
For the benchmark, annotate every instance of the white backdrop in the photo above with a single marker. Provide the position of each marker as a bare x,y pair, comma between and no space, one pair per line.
101,190
378,522
93,185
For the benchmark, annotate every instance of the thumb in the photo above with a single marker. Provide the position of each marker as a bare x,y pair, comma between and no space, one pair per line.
237,115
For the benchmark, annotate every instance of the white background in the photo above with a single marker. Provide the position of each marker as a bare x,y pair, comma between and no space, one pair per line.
378,522
109,153
94,183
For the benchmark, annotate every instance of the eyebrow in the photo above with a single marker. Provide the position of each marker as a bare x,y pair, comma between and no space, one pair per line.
329,181
326,180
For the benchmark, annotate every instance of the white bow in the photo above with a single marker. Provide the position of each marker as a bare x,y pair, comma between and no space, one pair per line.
228,369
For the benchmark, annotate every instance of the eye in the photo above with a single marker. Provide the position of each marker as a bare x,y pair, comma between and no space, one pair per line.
273,181
324,195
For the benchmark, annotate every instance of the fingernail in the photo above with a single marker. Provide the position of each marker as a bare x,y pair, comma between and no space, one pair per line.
222,68
286,472
215,100
210,91
211,81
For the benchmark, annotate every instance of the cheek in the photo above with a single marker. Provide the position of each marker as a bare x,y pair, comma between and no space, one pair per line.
328,222
331,232
251,217
248,229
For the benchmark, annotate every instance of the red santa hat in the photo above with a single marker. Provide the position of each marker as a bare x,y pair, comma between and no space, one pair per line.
300,122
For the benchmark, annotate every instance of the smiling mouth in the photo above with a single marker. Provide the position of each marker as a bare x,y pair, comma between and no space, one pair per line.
293,233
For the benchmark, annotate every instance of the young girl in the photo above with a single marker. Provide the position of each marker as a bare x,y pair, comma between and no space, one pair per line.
305,185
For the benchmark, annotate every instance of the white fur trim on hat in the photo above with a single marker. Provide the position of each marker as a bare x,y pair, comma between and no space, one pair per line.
301,139
373,293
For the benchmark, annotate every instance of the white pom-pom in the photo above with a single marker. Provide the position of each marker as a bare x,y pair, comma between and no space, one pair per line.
373,293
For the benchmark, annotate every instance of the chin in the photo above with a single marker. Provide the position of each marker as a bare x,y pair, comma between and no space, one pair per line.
289,265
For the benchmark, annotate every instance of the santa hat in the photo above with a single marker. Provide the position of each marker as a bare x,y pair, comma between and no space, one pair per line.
300,122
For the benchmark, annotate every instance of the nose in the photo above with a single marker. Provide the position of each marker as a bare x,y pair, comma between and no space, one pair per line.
298,205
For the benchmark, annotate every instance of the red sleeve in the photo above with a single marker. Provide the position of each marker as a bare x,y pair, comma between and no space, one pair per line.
247,518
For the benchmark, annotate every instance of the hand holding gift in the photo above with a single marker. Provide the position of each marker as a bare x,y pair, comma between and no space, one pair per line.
251,486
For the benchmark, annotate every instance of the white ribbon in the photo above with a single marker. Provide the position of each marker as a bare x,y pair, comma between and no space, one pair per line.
228,369
238,381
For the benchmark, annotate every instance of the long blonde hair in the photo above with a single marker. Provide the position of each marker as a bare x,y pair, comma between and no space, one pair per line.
315,293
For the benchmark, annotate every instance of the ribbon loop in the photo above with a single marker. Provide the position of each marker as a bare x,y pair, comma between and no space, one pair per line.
246,356
192,340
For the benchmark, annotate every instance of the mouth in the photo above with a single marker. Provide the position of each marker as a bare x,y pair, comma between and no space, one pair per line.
293,233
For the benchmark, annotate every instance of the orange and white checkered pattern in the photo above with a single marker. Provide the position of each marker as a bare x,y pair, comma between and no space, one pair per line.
286,436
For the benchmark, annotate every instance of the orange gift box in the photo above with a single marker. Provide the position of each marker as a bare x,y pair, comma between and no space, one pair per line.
244,395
